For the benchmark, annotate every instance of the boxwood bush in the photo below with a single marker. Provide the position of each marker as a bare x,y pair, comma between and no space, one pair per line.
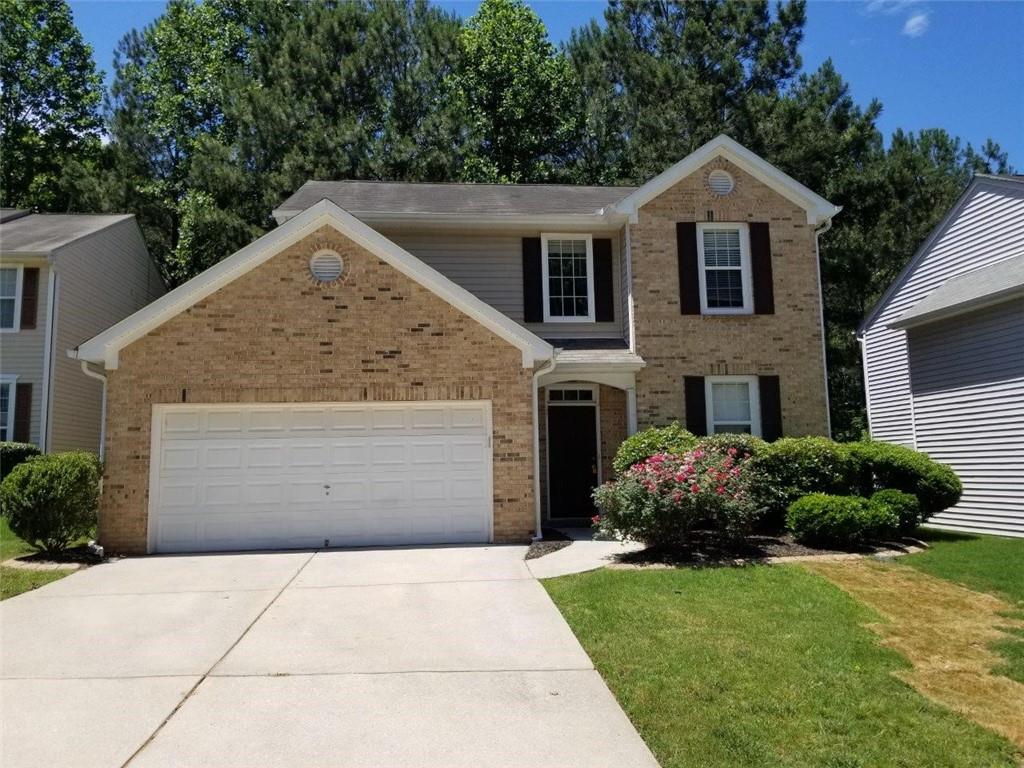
672,439
13,454
883,465
822,519
793,467
745,445
905,506
50,501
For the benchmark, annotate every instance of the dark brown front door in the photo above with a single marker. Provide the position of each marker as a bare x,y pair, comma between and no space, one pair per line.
572,460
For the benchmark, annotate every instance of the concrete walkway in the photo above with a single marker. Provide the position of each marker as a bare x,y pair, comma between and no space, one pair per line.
448,656
584,554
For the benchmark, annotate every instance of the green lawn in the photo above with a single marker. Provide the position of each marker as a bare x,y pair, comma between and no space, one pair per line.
14,581
985,564
760,666
11,545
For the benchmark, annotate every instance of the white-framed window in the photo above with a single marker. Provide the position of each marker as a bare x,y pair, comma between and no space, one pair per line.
726,284
568,268
572,395
7,399
10,297
733,404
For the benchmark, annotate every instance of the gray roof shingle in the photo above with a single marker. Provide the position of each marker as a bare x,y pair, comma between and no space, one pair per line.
425,198
996,282
44,233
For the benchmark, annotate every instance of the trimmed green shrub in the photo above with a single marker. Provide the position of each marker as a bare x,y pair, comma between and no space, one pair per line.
822,519
883,465
13,454
793,467
665,498
745,445
905,506
654,440
50,501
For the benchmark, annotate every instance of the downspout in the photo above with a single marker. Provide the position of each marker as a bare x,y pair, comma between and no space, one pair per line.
539,533
821,320
103,404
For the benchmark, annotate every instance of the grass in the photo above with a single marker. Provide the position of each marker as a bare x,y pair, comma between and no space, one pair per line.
14,581
761,666
990,564
11,545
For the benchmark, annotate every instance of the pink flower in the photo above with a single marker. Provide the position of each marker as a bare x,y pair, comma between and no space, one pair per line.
595,519
695,488
720,490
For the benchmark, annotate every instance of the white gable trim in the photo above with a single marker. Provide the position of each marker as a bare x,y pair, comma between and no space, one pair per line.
819,210
104,348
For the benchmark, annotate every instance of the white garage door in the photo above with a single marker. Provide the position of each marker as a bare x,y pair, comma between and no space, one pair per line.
228,477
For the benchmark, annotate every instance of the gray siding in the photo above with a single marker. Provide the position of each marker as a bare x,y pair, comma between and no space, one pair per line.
967,382
22,352
101,279
987,227
490,266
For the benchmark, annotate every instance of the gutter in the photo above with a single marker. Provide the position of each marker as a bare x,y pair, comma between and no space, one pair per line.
539,533
103,402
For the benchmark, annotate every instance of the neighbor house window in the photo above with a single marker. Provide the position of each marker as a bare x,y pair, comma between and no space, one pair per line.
568,264
10,297
725,281
6,409
732,405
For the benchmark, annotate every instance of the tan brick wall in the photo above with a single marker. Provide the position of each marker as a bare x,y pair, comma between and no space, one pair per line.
274,335
787,343
613,427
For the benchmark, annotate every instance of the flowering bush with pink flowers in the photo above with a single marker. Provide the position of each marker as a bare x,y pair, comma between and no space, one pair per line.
664,499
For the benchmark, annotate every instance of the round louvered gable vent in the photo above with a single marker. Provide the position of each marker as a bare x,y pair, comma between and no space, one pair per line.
721,182
325,266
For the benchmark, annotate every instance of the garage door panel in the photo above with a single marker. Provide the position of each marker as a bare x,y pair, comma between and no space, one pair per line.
253,476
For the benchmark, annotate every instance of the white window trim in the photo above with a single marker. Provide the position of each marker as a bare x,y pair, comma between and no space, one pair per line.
755,400
17,297
589,239
745,269
12,381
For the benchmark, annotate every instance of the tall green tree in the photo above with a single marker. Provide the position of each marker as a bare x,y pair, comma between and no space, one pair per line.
50,93
518,93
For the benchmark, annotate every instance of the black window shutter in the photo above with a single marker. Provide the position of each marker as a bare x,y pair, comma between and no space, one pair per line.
689,280
771,407
696,405
761,267
29,297
533,278
22,413
604,283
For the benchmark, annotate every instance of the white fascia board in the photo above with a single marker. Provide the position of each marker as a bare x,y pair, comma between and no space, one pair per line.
818,208
104,348
955,310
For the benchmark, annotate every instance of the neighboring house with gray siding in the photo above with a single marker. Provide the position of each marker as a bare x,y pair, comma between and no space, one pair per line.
63,278
943,355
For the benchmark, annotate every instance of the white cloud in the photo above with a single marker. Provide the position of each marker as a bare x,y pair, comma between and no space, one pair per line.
889,7
916,25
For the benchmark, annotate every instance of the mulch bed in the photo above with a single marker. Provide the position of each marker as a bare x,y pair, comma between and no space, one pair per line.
552,542
708,552
75,556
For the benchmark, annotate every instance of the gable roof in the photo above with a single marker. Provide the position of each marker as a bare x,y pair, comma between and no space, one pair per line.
104,348
1008,181
983,287
819,210
376,199
40,234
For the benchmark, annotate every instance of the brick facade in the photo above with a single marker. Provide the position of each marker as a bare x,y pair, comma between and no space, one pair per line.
274,335
787,343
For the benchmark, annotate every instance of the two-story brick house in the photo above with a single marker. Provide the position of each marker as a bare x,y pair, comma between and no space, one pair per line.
414,363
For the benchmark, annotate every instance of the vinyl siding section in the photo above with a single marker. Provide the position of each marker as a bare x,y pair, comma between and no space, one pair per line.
967,380
22,352
101,279
490,266
986,227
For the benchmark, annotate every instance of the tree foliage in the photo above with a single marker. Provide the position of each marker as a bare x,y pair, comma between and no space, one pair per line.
50,93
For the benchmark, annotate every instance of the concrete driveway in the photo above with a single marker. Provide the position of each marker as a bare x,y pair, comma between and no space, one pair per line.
447,656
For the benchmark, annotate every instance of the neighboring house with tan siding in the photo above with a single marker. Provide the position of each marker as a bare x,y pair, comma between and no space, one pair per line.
943,355
427,363
63,279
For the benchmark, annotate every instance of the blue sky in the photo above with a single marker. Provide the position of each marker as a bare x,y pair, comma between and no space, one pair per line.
952,65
